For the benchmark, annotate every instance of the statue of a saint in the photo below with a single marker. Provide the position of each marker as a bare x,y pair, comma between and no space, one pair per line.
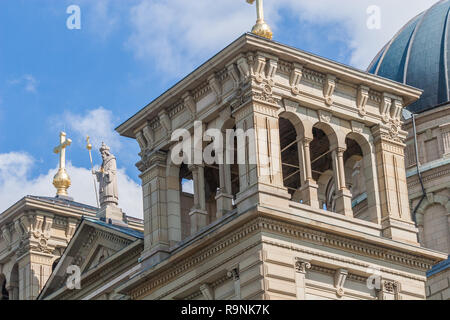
107,178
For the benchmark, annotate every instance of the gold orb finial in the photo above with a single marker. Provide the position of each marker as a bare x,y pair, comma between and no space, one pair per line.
61,181
261,28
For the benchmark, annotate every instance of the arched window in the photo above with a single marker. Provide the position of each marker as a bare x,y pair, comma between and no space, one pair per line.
186,188
290,157
4,293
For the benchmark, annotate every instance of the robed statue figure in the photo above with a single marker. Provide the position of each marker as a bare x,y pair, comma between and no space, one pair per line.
107,178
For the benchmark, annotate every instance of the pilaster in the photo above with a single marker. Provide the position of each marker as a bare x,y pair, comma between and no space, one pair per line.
259,156
154,186
396,219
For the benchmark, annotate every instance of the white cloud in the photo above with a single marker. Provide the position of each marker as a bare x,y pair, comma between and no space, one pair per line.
28,82
174,35
15,183
353,16
101,17
98,124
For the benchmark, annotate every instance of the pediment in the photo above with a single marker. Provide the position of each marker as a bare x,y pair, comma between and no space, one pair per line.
93,245
99,246
97,256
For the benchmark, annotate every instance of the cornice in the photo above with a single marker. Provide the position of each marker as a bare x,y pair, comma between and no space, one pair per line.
315,69
156,279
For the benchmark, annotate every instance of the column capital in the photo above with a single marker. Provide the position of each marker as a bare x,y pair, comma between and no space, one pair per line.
194,167
152,159
302,265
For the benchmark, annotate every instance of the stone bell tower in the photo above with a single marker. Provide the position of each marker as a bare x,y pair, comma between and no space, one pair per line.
311,203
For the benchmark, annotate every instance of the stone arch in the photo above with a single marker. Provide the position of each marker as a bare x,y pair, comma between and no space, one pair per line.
335,139
433,221
296,135
4,295
13,283
173,200
368,176
323,182
228,170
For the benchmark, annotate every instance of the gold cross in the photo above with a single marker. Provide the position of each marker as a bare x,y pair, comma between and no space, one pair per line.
261,28
61,181
61,149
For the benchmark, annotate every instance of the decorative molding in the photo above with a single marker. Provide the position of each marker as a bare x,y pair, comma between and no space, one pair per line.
385,107
234,75
201,91
296,78
339,281
165,122
301,233
271,72
357,127
324,116
313,76
328,89
361,99
190,104
301,265
259,70
244,68
216,86
149,136
207,291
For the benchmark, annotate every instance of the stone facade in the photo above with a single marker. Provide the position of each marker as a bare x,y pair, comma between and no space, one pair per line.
432,209
316,223
34,234
319,208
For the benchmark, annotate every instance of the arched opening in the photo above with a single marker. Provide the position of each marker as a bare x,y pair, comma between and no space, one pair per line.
212,186
186,196
290,157
322,169
4,293
360,177
234,169
354,178
14,283
435,228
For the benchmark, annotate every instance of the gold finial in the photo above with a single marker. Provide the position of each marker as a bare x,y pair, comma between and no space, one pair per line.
61,181
261,28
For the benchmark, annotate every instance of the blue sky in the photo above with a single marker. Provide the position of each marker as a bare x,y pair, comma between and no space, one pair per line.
89,81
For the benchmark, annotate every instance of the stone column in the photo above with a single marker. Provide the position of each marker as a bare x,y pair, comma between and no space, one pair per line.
154,186
13,292
309,187
198,214
301,267
224,197
34,270
343,195
234,274
396,221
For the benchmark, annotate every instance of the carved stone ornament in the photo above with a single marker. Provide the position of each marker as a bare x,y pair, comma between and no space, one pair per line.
302,265
233,273
266,95
325,116
390,286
